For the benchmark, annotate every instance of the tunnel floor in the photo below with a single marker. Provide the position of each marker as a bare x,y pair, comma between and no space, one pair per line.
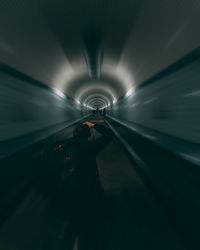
123,215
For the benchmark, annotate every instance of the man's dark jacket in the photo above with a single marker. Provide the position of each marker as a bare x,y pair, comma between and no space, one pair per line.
88,151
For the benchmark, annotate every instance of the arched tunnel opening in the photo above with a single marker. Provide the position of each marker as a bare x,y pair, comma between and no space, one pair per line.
99,124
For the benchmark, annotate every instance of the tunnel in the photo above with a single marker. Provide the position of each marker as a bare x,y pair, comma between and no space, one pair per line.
132,68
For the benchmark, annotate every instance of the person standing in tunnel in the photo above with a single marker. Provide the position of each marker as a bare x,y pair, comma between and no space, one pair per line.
83,204
89,148
79,154
90,191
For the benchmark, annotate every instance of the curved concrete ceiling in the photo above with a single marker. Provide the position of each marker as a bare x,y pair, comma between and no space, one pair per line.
96,51
102,97
96,103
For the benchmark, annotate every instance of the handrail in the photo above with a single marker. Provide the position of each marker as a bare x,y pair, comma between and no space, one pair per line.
14,145
186,150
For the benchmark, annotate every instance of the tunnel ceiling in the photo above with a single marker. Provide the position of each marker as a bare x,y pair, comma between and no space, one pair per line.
96,50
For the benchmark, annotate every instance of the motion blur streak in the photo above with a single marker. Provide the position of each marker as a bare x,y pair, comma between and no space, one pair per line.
133,65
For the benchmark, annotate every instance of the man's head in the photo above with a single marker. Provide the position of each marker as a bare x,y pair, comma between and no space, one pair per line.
82,131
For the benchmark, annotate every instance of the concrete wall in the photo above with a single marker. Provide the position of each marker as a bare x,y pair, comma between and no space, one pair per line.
170,105
27,108
164,32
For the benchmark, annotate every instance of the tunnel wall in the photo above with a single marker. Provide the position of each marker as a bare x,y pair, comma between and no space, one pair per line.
26,108
169,104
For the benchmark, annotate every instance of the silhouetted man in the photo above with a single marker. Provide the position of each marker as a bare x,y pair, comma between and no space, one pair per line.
89,148
90,191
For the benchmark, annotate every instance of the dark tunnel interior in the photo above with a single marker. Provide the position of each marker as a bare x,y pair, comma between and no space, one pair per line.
130,72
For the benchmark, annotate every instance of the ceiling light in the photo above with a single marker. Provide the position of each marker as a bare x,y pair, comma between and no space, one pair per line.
59,93
129,92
